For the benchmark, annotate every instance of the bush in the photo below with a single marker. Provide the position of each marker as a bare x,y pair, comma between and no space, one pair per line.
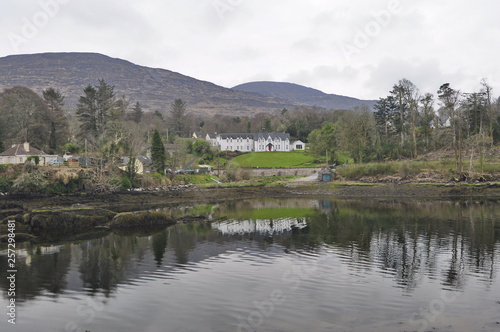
34,182
357,171
125,183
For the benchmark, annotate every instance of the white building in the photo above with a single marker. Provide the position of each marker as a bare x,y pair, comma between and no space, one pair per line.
259,142
298,145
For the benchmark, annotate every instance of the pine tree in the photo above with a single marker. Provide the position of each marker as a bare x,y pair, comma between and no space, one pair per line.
158,152
137,113
178,118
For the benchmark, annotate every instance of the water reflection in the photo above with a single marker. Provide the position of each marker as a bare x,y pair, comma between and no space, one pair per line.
411,244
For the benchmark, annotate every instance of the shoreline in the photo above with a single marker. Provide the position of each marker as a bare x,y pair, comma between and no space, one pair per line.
66,216
350,190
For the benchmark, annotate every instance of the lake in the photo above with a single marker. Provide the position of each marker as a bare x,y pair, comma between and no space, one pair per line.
272,265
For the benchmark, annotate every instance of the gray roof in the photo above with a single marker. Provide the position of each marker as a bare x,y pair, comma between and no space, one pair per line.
19,150
256,136
236,136
283,136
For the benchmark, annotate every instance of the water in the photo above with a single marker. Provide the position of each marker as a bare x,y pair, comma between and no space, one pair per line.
273,265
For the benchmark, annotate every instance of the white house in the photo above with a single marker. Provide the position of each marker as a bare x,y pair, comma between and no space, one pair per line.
19,154
298,145
259,142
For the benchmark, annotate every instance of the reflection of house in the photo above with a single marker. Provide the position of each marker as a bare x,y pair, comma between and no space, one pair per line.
258,142
143,165
298,145
280,226
19,154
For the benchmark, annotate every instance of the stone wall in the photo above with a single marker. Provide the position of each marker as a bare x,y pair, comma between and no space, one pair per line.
303,171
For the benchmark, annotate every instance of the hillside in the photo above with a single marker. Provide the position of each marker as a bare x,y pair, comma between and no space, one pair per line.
154,88
303,95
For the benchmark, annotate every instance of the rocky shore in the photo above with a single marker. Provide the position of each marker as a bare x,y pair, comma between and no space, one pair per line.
69,214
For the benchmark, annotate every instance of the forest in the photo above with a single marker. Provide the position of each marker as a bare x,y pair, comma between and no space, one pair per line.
406,124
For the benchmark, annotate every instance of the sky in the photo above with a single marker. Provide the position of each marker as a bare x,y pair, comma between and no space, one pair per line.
347,47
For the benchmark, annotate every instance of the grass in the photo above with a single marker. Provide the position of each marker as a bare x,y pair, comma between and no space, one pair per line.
275,159
272,213
445,167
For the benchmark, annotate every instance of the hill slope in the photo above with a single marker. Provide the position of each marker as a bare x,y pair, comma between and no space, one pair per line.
303,95
154,88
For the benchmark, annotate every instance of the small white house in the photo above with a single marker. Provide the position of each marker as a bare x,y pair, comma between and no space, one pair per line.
298,145
20,153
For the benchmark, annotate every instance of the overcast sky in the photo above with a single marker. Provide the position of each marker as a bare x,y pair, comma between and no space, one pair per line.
349,47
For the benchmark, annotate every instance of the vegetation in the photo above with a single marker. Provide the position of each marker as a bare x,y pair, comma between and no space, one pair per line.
406,125
275,159
158,152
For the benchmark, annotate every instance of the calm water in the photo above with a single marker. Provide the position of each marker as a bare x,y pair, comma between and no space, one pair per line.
273,265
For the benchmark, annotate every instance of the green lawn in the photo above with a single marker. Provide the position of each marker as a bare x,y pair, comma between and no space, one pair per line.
272,213
275,159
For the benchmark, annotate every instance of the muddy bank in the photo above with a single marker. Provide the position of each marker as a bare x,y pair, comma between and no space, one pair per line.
133,201
72,214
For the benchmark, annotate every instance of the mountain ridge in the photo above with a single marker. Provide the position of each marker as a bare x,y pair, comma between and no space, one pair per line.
303,94
154,88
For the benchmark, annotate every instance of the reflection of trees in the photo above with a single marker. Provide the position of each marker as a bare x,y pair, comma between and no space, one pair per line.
108,261
159,246
37,272
441,240
409,240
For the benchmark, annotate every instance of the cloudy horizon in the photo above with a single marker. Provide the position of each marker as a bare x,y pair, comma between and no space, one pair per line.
353,48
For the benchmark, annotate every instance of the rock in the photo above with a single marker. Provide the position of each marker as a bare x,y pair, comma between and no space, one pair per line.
68,219
141,219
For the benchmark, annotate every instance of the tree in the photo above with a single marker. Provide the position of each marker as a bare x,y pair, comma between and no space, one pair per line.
25,117
450,99
357,133
385,115
178,118
59,125
490,109
95,108
137,113
428,116
323,141
158,152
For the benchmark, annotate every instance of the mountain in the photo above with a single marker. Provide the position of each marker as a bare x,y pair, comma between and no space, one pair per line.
303,95
154,88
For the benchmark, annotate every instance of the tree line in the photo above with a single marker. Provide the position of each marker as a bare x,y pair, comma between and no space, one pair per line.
408,123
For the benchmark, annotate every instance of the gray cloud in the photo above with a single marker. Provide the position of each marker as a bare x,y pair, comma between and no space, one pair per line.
305,42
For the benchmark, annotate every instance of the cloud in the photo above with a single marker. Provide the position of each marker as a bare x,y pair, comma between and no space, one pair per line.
428,42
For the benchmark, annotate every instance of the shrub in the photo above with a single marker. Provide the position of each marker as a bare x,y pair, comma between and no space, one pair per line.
30,182
125,183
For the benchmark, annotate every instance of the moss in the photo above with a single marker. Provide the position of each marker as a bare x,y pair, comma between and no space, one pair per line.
70,219
20,237
142,218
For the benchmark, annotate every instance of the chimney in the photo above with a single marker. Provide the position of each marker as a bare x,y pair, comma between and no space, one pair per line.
26,146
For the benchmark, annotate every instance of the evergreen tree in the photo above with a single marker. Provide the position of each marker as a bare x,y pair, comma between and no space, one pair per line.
178,118
95,108
59,125
137,113
158,155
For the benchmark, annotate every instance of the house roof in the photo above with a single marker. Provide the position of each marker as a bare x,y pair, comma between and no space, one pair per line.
20,150
236,136
283,136
145,160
